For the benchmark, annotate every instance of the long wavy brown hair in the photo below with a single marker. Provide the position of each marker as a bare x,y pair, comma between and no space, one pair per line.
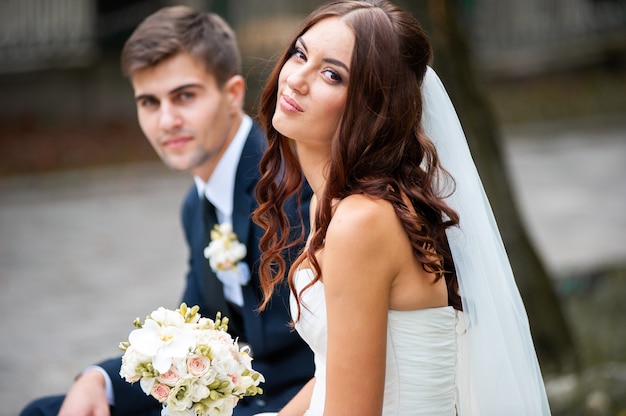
381,150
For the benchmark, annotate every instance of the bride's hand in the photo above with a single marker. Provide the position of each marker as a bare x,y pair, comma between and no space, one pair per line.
300,402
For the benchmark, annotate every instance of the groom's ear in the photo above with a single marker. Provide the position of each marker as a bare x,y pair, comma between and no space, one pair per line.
235,89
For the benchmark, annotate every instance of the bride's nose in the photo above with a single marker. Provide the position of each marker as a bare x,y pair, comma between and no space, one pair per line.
297,80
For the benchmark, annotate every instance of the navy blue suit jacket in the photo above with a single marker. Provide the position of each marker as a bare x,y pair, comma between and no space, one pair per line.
279,353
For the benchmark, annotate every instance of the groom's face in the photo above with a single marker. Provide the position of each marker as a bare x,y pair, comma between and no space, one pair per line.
188,118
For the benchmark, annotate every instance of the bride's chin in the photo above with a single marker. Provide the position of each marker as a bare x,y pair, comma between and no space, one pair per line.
280,126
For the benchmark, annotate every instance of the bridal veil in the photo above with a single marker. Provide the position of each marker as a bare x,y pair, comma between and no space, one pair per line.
498,371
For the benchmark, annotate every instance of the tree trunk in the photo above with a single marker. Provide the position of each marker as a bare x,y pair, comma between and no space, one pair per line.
551,335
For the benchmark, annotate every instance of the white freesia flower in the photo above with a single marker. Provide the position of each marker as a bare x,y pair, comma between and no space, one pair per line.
162,343
189,363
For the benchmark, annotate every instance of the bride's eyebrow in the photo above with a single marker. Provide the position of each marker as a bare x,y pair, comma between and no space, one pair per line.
328,60
302,42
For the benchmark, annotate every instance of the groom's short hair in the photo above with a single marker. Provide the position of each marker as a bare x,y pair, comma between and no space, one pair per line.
180,29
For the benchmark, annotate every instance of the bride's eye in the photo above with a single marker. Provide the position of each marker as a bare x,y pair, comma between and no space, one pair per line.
333,75
294,51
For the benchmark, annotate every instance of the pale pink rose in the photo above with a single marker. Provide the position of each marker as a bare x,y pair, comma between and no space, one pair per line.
170,377
160,392
235,378
198,365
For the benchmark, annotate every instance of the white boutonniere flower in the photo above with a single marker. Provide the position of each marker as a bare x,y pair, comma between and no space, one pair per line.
224,251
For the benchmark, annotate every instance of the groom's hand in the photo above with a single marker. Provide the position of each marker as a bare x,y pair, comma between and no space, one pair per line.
86,397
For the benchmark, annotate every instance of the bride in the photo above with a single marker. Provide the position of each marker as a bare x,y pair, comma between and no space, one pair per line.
404,291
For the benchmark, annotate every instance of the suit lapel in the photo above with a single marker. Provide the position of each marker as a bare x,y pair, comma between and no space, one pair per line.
245,181
244,203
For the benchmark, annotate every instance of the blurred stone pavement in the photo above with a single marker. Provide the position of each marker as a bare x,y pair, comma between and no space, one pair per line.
82,253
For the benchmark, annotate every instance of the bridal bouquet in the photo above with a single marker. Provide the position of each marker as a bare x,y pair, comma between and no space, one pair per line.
188,363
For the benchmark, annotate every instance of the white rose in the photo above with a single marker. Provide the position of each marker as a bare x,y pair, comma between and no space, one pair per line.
130,360
166,317
198,391
180,402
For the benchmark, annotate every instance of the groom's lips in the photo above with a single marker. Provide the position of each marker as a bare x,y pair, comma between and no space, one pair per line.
176,142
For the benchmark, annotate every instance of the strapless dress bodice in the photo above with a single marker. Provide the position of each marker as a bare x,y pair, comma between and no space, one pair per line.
421,354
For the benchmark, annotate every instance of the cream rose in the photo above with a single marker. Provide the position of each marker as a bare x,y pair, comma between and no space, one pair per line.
160,392
198,365
170,377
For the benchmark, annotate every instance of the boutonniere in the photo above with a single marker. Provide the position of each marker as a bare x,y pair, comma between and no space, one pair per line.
224,251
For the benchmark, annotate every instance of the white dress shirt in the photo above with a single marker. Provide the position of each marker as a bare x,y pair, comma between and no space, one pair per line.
220,191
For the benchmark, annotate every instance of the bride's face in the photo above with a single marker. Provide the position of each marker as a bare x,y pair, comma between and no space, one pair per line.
313,84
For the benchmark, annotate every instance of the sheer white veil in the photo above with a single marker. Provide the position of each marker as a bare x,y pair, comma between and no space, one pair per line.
498,369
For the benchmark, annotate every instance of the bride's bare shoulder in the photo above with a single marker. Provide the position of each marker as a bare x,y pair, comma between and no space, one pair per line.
361,216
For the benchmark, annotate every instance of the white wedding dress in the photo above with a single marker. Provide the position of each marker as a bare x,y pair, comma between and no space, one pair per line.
492,361
421,355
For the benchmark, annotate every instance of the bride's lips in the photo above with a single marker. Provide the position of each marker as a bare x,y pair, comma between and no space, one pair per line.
289,105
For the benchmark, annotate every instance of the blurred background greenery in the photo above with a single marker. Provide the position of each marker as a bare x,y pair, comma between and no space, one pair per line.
509,65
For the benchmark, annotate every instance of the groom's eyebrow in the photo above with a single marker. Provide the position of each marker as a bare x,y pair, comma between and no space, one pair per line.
173,91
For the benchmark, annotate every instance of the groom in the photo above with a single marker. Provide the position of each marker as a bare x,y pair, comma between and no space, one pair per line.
185,71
